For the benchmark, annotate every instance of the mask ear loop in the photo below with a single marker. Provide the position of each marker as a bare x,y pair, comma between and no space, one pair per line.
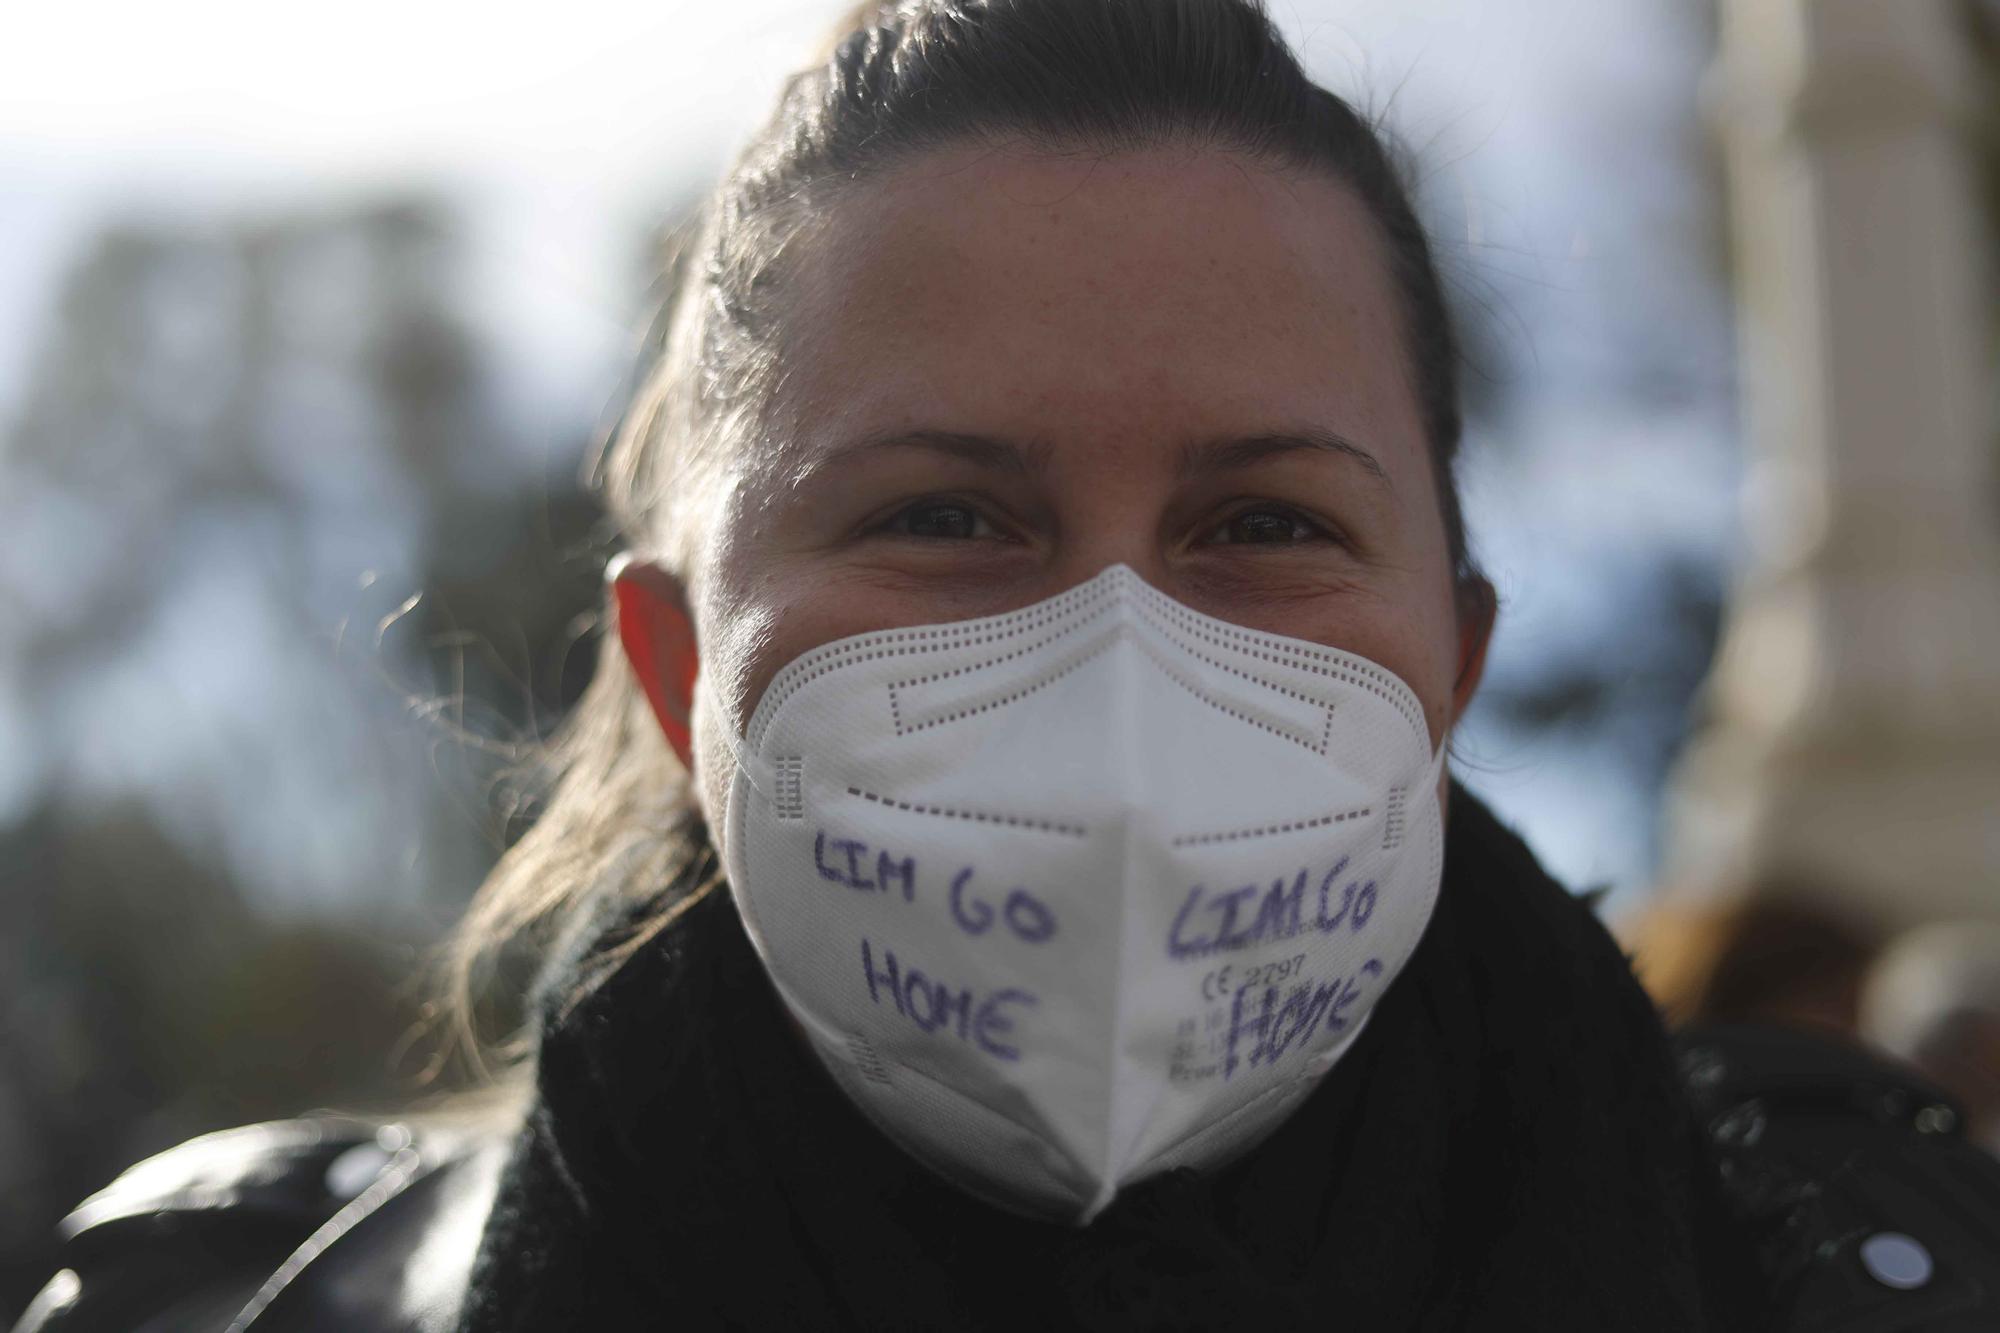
761,776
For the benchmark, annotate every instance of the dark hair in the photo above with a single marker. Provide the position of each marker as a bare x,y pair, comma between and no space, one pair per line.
901,78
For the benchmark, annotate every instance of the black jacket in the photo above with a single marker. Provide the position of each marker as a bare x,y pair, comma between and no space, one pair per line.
1510,1143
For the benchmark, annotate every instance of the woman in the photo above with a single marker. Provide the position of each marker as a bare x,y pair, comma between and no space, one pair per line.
1048,609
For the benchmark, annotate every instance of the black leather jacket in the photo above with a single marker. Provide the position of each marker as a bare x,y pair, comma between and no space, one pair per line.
336,1224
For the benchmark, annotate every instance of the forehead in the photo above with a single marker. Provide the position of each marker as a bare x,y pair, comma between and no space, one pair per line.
1166,290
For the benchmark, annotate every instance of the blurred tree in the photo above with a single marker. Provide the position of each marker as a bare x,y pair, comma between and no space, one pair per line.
263,513
145,1002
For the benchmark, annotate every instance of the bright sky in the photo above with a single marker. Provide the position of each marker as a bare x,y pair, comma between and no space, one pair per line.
382,86
578,124
374,86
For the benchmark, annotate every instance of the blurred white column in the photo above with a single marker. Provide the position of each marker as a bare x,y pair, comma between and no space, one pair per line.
1851,745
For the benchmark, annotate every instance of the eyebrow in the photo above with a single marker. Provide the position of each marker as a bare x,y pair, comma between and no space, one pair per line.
1222,455
978,450
1200,457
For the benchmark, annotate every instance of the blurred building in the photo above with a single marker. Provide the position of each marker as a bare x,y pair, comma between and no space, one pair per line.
1847,776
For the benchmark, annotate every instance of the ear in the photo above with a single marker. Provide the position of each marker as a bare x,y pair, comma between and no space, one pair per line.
1478,607
657,631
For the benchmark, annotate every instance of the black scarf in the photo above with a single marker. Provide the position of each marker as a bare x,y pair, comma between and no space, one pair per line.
1504,1147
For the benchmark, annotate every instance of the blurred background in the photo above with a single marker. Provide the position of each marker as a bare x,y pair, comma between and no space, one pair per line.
308,320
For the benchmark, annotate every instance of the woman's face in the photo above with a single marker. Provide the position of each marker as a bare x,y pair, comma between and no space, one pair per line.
1008,370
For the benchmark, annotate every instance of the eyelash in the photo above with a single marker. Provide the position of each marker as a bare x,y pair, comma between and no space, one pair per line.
1313,529
888,526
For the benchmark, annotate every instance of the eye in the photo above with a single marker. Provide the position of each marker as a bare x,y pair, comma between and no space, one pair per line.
1266,525
938,520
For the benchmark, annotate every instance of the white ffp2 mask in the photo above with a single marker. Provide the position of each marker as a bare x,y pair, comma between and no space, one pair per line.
1080,893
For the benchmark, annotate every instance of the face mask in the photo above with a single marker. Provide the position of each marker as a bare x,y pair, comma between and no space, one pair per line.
1087,891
